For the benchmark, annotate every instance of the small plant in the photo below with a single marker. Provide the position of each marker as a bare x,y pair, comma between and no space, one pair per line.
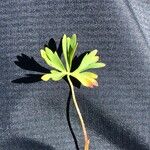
87,78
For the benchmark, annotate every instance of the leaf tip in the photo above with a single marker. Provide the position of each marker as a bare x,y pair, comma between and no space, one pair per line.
46,77
42,53
103,65
94,84
64,36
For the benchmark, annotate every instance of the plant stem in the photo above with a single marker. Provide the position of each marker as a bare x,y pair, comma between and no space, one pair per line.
86,139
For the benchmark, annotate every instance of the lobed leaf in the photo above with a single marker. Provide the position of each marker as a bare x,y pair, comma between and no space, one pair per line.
54,75
69,46
52,59
87,78
89,61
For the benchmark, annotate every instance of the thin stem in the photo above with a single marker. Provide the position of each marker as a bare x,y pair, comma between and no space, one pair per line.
86,139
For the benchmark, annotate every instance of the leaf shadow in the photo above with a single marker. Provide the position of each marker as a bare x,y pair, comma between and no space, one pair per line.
77,60
29,63
52,45
29,78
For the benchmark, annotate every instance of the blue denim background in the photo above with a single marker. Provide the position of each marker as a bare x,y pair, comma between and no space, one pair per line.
33,117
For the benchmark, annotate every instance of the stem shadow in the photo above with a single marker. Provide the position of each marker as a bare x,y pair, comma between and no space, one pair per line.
69,122
29,63
104,125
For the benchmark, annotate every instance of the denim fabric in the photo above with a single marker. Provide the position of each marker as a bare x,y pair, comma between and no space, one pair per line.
33,115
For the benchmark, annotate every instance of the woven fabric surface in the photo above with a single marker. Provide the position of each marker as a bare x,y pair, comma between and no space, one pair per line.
33,115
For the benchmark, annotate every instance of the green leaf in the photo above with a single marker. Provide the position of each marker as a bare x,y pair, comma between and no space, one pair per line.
44,56
88,59
73,41
52,59
49,53
72,49
69,46
96,65
86,78
46,77
64,48
54,75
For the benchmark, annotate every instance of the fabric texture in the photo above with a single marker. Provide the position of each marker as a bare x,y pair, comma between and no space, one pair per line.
33,114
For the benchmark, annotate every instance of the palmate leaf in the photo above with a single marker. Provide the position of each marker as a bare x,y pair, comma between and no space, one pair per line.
88,79
69,46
